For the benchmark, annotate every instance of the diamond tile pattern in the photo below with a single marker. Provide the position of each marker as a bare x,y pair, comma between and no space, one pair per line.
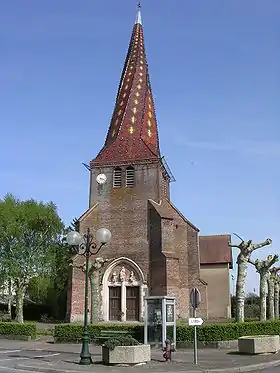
133,133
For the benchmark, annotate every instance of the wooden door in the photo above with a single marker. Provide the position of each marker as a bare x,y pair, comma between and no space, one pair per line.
115,303
132,303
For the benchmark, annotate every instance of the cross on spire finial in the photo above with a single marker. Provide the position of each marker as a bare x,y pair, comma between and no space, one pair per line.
139,18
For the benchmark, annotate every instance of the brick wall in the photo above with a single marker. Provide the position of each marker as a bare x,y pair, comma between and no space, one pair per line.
175,234
152,233
193,256
124,211
157,267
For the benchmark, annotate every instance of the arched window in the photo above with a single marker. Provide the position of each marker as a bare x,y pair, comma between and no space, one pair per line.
129,177
117,178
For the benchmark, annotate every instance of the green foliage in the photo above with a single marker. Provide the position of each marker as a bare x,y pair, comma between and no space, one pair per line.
73,332
184,333
5,317
52,289
38,289
251,306
228,331
15,329
57,293
121,340
29,232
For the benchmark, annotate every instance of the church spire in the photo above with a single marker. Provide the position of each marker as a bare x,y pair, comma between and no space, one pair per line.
133,134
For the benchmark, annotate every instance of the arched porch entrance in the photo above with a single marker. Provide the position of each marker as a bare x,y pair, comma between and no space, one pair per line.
123,291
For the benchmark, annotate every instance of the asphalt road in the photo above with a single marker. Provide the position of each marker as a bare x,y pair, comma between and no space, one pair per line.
27,357
10,358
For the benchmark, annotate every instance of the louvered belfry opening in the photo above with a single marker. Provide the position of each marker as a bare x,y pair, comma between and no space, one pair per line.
117,178
129,177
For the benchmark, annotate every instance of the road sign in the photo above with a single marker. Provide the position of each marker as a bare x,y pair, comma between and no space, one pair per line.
195,298
195,321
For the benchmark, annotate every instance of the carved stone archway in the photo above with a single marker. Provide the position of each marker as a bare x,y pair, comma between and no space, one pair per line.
123,273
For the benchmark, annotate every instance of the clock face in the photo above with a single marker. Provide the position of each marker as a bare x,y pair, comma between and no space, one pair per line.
101,179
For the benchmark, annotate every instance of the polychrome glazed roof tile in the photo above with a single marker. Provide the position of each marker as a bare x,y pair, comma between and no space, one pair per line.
133,133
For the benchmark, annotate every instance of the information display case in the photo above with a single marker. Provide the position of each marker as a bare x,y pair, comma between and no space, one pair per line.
159,320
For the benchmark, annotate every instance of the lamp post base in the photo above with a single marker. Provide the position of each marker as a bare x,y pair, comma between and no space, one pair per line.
86,360
85,354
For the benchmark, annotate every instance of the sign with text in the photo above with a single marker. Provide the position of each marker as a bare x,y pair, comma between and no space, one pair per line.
195,321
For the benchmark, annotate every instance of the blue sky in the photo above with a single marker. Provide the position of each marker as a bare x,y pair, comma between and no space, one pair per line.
215,74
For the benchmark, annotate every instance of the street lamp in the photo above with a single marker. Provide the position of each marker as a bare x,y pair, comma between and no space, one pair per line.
86,246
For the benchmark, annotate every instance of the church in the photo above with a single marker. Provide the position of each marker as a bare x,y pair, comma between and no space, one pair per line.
155,250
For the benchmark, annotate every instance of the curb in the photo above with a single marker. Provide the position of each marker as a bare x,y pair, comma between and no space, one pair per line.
32,368
245,368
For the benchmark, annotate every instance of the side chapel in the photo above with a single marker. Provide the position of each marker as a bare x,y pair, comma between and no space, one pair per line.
155,249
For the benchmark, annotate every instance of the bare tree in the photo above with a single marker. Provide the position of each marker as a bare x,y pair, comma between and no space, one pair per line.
276,287
263,268
96,267
246,248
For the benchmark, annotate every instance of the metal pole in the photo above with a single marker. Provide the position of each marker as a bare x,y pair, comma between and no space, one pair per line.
195,340
174,326
146,322
85,354
163,310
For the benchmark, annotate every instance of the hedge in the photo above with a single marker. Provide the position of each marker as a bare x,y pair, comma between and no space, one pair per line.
18,329
184,333
227,331
74,332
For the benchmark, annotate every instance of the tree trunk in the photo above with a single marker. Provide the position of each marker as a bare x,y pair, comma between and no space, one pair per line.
270,286
276,300
262,297
19,302
10,298
240,290
10,308
95,297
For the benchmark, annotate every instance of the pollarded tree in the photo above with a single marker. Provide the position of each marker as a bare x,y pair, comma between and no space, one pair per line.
263,267
274,277
29,230
246,248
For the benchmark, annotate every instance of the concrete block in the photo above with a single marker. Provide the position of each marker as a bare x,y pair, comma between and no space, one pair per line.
259,344
130,355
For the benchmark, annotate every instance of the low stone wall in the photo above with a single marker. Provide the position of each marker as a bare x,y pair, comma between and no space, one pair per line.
17,337
209,344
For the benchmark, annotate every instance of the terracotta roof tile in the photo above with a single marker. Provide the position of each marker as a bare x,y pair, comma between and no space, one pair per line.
215,249
133,133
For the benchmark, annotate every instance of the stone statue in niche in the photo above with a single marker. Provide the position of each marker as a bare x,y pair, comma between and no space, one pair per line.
114,277
122,274
132,276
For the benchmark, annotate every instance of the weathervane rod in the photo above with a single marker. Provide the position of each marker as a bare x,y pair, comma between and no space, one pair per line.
138,18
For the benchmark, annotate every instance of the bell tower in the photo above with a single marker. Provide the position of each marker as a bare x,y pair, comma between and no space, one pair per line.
130,161
129,195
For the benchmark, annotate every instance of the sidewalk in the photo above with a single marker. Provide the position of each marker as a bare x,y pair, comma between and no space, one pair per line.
63,358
